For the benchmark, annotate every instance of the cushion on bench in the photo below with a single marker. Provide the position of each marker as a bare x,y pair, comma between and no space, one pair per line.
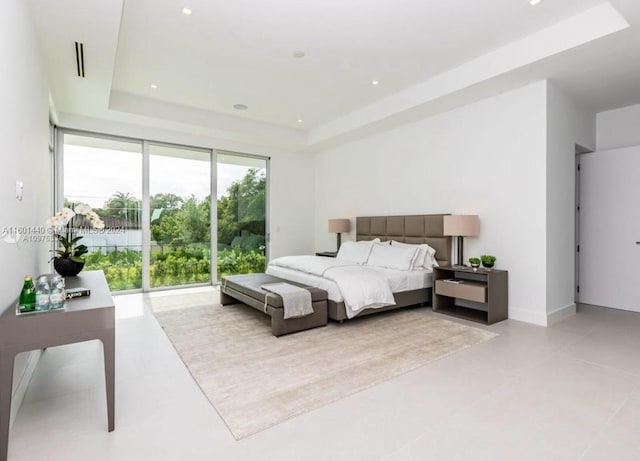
247,288
250,284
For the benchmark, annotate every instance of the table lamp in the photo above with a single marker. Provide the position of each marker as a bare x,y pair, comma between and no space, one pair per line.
461,226
339,226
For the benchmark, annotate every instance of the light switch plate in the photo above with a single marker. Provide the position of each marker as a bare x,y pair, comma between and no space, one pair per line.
19,190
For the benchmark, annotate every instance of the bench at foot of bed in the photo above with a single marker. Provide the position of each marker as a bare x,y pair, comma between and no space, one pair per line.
247,289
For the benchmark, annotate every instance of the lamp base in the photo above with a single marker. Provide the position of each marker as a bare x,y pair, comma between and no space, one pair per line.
460,242
460,254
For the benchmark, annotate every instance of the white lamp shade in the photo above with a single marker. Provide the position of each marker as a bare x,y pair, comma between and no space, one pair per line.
339,225
462,225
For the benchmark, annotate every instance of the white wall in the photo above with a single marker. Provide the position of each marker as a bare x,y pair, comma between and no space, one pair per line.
487,158
24,118
618,128
291,178
567,124
291,204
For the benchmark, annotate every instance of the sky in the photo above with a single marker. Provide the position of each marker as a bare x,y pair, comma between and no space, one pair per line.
92,175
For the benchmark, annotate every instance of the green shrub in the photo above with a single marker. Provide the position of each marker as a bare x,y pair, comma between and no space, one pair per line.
176,266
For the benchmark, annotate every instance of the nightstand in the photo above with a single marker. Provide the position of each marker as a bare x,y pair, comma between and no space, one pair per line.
328,254
480,295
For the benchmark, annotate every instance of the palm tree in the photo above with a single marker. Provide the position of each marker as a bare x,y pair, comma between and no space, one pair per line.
123,205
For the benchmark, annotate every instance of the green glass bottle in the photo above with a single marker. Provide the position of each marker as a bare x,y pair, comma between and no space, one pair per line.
27,300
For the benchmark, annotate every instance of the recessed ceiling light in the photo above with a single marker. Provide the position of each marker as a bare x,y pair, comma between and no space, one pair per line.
300,120
374,82
298,54
154,86
534,2
186,11
240,107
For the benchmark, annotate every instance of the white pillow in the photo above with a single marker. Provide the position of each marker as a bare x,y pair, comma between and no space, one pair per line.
355,252
425,256
430,260
393,257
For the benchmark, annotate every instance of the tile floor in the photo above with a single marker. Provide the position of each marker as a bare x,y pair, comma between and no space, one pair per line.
568,392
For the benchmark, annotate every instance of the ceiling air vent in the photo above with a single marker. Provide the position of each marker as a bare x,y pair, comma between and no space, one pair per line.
80,59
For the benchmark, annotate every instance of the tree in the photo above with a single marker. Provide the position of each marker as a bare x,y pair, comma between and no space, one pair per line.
166,230
227,223
125,206
184,223
165,223
241,213
195,219
166,202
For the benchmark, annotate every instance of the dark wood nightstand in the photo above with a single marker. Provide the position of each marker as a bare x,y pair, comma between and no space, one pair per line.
328,254
480,295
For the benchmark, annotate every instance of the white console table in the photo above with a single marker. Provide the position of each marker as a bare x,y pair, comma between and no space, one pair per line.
82,319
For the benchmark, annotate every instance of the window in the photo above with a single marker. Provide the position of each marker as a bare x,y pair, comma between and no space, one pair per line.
156,200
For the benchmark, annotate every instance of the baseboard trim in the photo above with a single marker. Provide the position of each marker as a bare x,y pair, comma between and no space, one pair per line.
560,314
528,316
543,319
22,383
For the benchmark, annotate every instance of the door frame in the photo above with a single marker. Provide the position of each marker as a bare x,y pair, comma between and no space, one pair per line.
579,150
146,216
214,205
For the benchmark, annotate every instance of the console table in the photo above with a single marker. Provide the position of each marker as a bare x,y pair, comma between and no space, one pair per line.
81,319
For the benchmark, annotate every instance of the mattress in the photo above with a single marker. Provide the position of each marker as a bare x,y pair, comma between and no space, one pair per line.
398,280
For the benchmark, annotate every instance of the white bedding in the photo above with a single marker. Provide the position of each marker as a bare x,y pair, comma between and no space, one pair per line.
406,280
309,270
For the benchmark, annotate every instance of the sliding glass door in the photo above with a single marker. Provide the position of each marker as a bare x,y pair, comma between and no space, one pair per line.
156,201
106,174
179,216
242,213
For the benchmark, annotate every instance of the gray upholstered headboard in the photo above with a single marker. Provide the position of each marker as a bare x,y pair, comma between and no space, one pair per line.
409,229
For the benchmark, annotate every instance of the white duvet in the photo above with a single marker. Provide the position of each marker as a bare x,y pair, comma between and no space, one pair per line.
361,287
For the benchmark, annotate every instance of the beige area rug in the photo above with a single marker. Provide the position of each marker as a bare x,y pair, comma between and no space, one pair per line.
255,380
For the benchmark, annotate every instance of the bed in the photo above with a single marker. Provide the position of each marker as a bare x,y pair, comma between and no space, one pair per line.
408,290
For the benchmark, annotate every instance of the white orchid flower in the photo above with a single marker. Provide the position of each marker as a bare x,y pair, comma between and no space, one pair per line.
65,216
83,208
57,221
95,220
67,213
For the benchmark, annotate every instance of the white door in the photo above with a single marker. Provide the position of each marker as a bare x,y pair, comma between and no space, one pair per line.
610,228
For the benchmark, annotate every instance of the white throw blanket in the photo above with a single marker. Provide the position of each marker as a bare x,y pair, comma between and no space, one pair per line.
361,287
296,301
